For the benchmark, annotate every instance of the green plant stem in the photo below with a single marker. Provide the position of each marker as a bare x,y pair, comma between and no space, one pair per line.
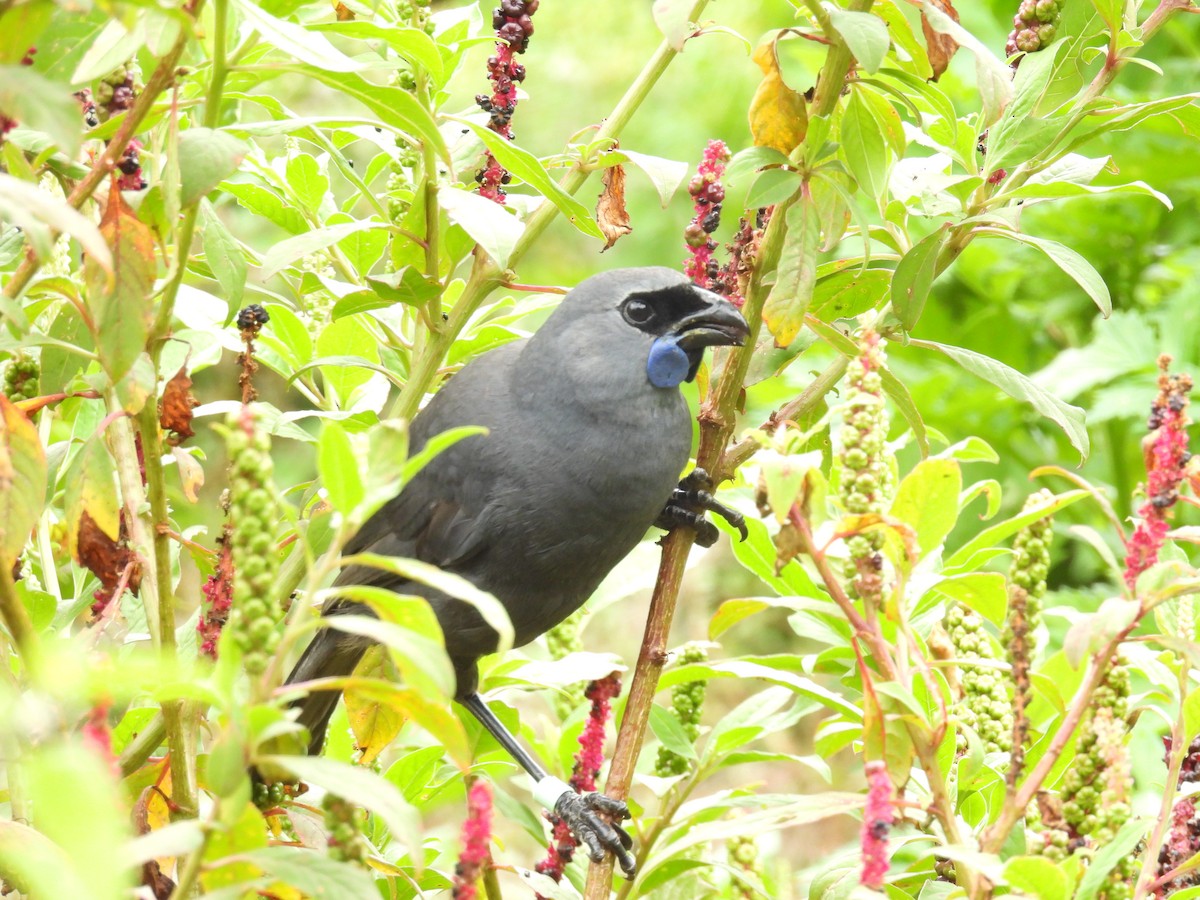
837,63
220,65
162,76
138,750
185,884
16,619
1180,741
486,275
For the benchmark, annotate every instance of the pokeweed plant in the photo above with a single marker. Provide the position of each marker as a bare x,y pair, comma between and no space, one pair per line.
143,148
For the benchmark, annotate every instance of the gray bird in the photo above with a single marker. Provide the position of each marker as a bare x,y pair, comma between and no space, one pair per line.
587,436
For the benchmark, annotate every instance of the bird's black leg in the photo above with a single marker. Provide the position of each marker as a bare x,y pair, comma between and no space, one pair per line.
688,504
582,812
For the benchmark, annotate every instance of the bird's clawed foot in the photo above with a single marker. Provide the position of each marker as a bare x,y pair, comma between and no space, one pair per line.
588,816
688,504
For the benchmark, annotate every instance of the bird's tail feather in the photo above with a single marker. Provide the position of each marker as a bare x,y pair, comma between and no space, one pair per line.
328,656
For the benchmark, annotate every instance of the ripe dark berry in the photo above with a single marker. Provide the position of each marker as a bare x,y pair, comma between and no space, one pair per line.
253,317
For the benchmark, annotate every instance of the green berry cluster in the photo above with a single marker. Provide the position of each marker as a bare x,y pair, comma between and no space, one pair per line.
271,796
21,378
116,91
1053,843
253,514
687,703
344,822
562,640
985,706
1095,790
400,189
414,13
1034,26
1031,560
743,854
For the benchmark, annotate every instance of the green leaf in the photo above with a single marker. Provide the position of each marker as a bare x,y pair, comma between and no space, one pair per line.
529,169
775,670
993,79
394,106
1037,877
992,535
339,468
286,252
1110,11
773,186
361,787
927,499
849,293
263,202
36,102
489,224
752,159
305,178
112,47
224,256
1058,189
296,40
863,146
796,275
667,729
665,174
122,311
36,866
412,44
984,592
1080,270
1070,418
29,207
914,277
456,586
865,35
22,480
406,286
206,158
1110,855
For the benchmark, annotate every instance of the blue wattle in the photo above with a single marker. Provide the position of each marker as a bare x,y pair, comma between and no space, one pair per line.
668,363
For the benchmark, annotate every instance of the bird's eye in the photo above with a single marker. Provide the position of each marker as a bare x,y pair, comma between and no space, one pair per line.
637,312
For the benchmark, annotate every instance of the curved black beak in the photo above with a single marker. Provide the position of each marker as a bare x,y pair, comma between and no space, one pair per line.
717,324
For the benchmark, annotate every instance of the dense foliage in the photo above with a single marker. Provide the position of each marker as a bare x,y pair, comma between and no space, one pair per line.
241,243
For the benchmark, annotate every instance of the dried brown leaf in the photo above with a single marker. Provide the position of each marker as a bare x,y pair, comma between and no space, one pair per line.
941,47
611,214
175,410
104,557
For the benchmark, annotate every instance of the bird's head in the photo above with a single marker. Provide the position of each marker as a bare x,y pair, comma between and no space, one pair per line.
655,313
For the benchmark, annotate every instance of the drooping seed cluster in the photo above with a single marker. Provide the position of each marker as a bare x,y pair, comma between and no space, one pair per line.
732,279
984,706
687,703
708,193
866,476
1034,26
513,22
476,833
115,94
1166,451
253,514
743,855
344,822
1096,789
218,597
1026,589
21,377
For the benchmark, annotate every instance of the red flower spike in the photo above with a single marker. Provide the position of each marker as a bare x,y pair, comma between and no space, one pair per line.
98,736
218,599
877,823
588,761
1166,450
476,834
707,194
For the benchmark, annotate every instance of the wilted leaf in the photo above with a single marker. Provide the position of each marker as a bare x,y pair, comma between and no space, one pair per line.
104,557
611,214
122,312
375,722
22,480
941,47
191,473
175,410
778,115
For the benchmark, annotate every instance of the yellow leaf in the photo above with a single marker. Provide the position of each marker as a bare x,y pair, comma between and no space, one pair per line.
22,480
374,721
778,115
